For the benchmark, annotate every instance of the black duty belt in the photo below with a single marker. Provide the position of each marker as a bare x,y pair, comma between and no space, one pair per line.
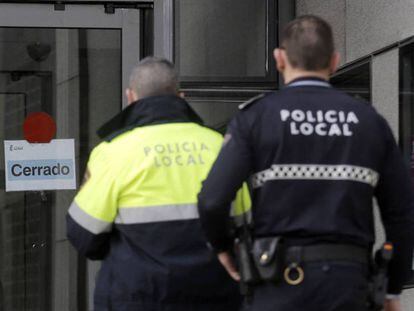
326,252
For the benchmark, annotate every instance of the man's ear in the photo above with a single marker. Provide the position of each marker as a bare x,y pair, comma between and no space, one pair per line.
131,96
280,58
181,94
334,64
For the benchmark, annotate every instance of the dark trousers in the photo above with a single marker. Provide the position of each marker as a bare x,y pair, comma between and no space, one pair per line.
330,286
231,305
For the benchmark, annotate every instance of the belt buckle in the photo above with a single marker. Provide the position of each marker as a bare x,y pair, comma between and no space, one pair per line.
294,267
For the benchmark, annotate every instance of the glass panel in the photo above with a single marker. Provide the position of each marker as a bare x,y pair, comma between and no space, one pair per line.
215,114
355,81
218,39
407,112
147,32
75,76
217,107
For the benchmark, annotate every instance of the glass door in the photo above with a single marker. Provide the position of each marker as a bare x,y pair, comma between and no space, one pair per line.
71,62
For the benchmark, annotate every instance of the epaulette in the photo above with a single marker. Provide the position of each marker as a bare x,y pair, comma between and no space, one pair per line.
251,101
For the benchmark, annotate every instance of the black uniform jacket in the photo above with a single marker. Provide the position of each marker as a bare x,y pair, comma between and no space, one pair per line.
316,158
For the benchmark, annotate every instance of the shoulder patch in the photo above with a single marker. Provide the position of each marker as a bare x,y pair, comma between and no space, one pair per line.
251,101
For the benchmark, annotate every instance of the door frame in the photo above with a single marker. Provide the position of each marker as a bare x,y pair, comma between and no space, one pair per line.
27,14
91,16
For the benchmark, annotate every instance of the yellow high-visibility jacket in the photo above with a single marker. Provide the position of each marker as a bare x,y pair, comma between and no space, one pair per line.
137,210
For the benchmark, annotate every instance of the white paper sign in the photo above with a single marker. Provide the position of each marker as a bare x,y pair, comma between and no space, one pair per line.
40,166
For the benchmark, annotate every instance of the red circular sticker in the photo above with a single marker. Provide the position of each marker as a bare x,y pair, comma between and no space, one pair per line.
39,127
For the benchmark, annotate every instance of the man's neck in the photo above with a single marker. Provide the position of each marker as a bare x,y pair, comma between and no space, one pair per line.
291,75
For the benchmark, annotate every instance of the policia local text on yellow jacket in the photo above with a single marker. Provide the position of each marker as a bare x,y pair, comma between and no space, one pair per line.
137,211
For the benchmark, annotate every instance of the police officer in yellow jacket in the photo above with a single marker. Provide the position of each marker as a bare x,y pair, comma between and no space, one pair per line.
137,210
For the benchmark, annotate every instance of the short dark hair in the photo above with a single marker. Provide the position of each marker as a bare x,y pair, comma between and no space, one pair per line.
154,76
308,42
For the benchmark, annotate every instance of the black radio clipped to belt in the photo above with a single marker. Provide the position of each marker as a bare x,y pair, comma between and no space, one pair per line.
274,261
268,258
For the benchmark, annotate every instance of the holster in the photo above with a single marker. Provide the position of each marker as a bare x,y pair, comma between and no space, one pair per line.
268,258
379,277
377,291
248,272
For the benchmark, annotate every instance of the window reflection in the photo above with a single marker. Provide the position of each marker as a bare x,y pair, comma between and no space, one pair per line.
217,107
215,113
356,81
406,112
223,40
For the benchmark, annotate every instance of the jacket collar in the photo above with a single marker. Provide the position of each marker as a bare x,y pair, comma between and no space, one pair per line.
313,78
308,81
149,111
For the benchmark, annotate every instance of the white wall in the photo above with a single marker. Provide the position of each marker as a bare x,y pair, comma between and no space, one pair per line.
361,27
334,12
373,24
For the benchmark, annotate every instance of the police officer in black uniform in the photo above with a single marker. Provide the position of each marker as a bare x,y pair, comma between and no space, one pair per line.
315,158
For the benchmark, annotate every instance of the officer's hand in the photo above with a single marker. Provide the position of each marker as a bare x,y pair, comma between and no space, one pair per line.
392,305
228,263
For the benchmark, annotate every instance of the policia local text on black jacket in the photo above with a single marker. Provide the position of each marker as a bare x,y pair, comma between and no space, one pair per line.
315,157
137,212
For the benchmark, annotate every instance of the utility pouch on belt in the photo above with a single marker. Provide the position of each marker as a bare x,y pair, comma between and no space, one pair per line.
268,258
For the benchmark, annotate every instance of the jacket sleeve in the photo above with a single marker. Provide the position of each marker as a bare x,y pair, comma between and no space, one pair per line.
394,194
241,208
231,169
90,217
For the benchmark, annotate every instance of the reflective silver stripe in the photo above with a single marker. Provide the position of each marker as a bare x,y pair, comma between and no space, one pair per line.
309,83
156,213
316,172
88,222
